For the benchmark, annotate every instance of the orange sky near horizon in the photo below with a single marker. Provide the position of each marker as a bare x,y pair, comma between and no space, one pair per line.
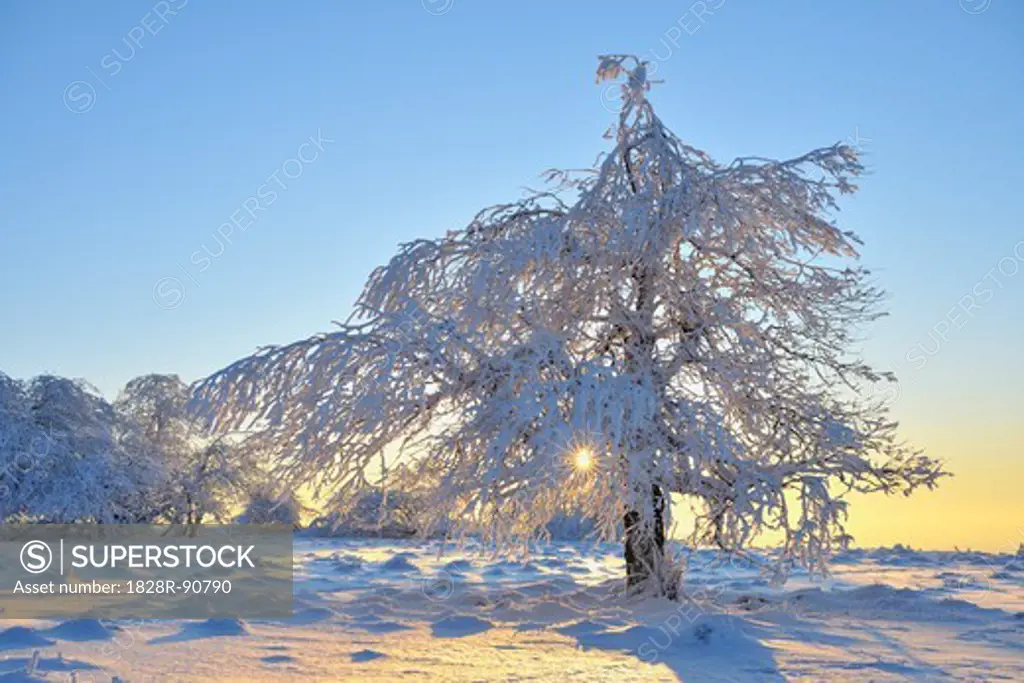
980,507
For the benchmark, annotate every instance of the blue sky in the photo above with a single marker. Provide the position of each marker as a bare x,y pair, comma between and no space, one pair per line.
125,151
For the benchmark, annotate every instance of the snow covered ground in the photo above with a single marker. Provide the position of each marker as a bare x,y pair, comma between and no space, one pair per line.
373,610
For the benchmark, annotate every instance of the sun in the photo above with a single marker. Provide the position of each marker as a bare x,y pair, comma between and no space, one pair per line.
583,459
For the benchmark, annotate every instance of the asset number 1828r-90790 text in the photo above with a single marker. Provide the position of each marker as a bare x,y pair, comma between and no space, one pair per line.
163,586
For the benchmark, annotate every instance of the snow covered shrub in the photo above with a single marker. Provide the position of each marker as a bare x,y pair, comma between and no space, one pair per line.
269,506
372,515
570,527
204,478
67,456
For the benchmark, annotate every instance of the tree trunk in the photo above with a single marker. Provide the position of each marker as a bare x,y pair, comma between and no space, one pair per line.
645,550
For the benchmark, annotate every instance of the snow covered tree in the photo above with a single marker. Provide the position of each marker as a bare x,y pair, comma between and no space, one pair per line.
204,478
270,504
660,324
22,446
393,508
68,457
371,513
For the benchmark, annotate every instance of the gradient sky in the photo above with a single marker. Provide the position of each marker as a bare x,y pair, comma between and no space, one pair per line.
124,151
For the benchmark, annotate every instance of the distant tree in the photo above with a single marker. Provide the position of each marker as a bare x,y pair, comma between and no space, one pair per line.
206,479
660,324
67,456
396,514
22,446
570,527
19,444
269,504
